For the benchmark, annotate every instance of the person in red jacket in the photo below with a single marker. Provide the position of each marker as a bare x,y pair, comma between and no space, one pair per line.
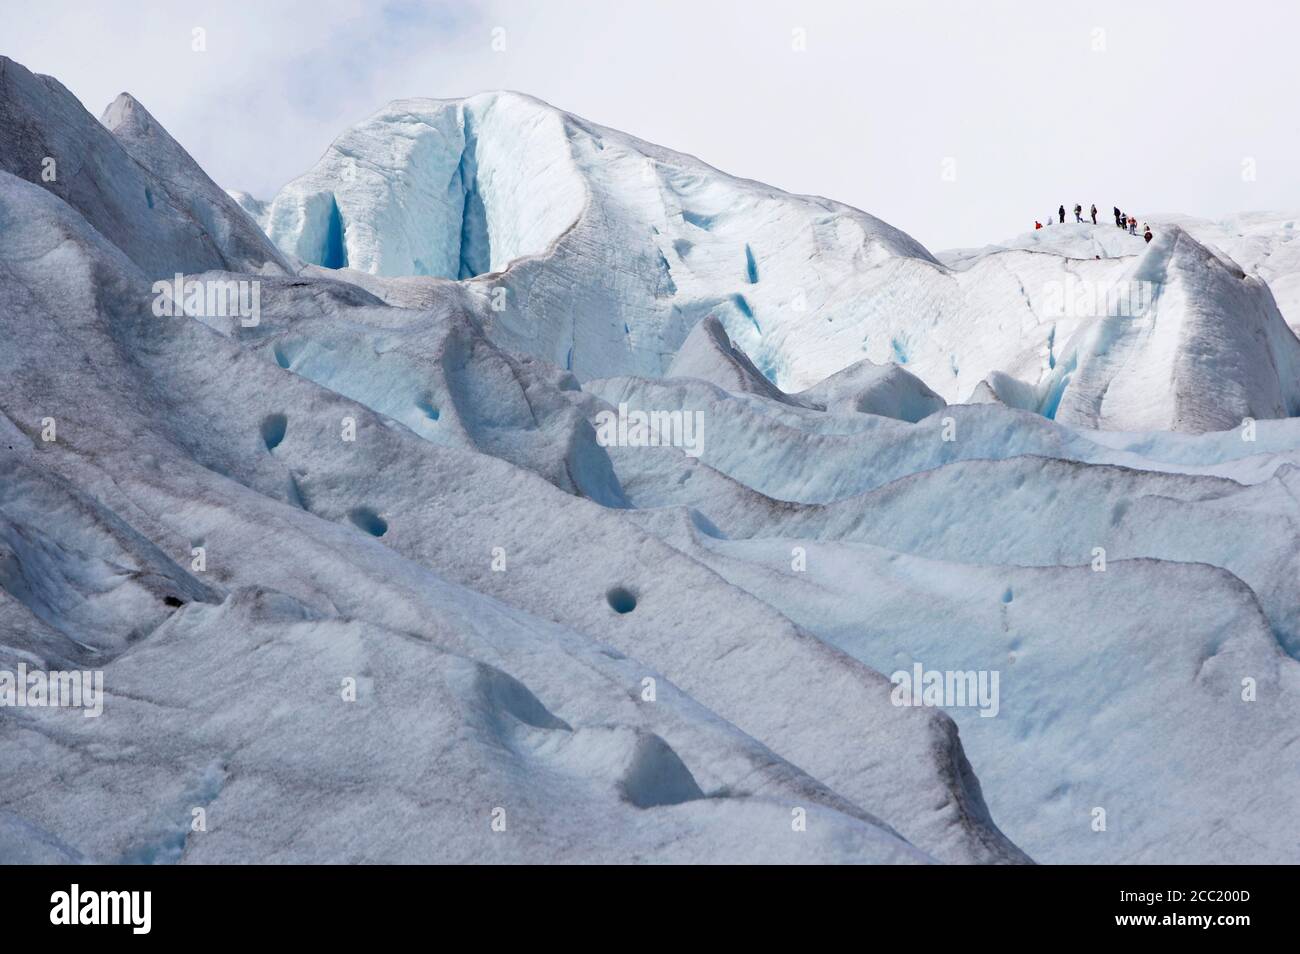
1037,225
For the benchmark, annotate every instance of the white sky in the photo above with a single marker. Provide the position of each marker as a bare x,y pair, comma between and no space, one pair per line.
1160,120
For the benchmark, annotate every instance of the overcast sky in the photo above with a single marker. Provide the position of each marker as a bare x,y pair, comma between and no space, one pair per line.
959,122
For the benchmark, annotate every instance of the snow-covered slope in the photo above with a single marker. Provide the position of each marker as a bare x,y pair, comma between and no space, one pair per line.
165,214
1263,243
1170,335
368,580
242,243
1212,339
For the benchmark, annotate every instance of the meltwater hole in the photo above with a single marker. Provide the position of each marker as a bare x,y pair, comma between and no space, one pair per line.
273,430
621,599
428,408
369,521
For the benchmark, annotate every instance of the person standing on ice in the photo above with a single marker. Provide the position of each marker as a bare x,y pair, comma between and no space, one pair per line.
1146,233
1037,225
1061,213
1094,213
1132,225
1117,215
1078,213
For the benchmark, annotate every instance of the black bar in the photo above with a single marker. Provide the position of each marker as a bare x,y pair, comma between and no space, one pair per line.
336,903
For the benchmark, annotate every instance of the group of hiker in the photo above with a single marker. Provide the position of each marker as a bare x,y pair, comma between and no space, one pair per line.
1122,220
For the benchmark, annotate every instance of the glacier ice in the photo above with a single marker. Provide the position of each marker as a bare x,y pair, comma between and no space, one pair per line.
599,252
365,585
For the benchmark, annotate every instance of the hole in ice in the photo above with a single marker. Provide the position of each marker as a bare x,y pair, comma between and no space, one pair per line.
369,521
273,428
1006,596
173,601
281,358
621,599
426,407
751,266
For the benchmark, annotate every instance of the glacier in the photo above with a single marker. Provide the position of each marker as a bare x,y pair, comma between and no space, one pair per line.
366,584
599,252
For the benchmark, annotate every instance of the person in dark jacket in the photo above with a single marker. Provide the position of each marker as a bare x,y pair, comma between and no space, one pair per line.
1118,220
1146,234
1078,213
1094,213
1061,213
